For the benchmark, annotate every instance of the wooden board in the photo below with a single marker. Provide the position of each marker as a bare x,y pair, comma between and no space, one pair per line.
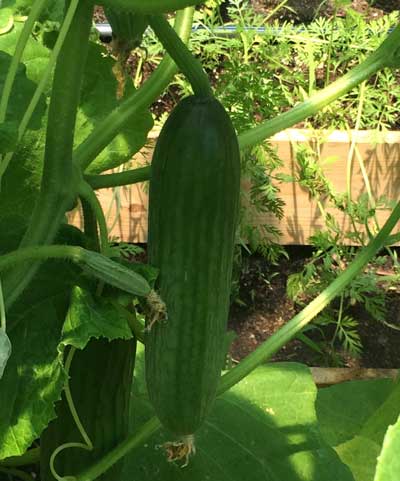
127,207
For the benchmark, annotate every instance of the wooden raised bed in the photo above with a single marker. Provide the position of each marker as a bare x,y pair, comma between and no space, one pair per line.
128,206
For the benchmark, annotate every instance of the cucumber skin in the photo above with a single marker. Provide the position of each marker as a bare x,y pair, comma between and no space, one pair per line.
149,7
194,203
100,383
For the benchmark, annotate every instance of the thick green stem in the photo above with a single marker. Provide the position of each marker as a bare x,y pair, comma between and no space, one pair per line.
90,226
41,253
181,55
128,177
120,451
87,193
23,38
384,56
58,183
105,132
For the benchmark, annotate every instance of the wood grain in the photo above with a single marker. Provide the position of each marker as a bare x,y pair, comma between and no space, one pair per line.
127,207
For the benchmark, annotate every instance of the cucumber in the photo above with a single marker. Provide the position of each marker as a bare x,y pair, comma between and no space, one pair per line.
194,199
127,28
149,6
100,381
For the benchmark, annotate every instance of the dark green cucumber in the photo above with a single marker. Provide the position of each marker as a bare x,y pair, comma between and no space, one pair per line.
100,382
194,197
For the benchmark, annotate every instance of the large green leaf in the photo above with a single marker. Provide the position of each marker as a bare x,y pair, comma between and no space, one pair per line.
360,399
97,101
34,377
21,181
370,407
32,380
264,428
19,189
388,466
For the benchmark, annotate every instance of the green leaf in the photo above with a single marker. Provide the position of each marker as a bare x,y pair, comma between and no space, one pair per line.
8,137
52,11
388,467
371,406
32,381
21,95
19,189
88,318
34,58
264,428
98,99
34,377
21,181
5,351
361,398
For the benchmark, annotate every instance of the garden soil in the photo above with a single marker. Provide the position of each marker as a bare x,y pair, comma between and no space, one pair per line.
262,307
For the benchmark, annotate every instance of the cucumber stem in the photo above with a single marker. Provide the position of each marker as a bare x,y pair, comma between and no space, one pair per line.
87,193
127,177
90,227
181,55
41,253
132,442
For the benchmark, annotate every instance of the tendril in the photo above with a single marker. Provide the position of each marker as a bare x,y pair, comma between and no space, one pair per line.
87,445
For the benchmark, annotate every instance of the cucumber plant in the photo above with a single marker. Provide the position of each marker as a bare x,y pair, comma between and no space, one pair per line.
71,304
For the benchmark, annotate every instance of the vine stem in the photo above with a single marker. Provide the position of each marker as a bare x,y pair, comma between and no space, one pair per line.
261,354
41,253
181,55
132,442
128,177
88,194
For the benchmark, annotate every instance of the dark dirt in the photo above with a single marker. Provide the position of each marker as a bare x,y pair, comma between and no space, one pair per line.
306,10
264,307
